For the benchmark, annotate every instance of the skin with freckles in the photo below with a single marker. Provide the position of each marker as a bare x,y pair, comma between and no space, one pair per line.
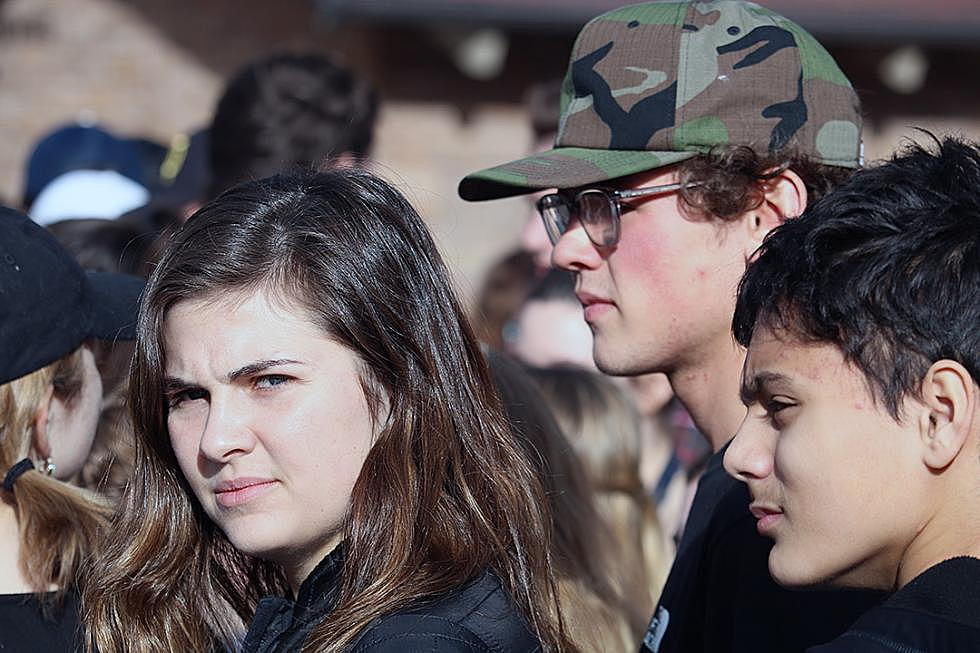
269,424
850,495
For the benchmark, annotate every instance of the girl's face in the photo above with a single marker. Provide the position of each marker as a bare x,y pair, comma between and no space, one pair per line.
268,422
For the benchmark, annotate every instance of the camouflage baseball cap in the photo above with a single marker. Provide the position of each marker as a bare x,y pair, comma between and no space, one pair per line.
652,84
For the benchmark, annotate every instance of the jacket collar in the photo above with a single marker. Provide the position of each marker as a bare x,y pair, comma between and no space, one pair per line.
948,589
281,624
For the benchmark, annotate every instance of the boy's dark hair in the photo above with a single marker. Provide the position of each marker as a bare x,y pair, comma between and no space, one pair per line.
289,110
887,268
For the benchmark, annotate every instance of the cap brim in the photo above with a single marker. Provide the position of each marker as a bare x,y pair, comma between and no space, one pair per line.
115,304
562,167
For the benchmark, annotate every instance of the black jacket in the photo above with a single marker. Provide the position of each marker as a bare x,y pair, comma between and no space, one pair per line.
478,617
937,612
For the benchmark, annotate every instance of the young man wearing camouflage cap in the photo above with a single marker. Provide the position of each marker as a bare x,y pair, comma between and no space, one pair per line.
688,131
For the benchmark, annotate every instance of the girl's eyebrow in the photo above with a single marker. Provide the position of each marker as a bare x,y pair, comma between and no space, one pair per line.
258,366
175,384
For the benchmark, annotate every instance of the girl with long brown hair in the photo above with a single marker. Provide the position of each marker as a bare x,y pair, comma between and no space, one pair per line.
50,398
315,422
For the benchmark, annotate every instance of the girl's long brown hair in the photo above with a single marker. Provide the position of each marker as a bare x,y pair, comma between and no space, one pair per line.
58,524
444,492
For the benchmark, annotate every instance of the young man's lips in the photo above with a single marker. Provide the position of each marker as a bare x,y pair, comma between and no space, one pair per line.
768,517
238,491
593,306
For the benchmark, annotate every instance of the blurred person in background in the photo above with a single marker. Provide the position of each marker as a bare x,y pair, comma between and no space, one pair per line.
688,131
287,111
548,329
114,246
597,602
601,422
50,399
509,280
316,426
85,171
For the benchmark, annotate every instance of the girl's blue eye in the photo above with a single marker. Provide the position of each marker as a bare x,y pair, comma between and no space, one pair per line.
271,380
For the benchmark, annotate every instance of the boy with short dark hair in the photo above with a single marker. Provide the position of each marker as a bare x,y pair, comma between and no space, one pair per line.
860,443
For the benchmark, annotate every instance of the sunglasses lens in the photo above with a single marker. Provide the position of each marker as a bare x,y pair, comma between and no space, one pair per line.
556,215
596,211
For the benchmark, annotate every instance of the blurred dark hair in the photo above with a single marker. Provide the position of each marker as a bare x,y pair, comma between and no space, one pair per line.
289,110
886,268
556,284
104,245
504,291
443,494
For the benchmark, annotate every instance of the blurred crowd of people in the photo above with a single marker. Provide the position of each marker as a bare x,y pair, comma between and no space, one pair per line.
241,407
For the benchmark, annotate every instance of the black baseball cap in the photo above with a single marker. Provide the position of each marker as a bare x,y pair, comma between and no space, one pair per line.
49,305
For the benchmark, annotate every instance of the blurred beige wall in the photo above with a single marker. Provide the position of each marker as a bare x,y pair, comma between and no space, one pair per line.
155,68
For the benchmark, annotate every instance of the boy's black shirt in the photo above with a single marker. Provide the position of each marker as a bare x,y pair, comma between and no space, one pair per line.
719,595
938,612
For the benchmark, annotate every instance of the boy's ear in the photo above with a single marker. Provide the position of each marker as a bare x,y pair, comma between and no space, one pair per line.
41,444
949,412
784,197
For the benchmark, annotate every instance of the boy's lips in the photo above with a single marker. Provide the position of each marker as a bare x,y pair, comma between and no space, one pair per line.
767,515
593,305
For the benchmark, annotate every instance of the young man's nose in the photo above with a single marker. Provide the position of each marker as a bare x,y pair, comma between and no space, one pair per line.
749,455
574,251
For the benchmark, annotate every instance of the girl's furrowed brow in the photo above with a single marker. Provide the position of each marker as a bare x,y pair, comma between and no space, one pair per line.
258,366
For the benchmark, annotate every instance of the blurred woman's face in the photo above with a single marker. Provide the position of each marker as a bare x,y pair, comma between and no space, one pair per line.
72,423
269,423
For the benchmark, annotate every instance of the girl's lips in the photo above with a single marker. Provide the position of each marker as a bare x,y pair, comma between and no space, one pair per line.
238,492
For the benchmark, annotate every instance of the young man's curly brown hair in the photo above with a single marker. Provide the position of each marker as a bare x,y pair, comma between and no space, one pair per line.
725,182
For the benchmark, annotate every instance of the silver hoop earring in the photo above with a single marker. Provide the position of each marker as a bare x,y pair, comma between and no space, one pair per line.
48,467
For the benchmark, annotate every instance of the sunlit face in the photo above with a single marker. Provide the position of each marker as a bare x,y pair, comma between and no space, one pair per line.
534,238
664,295
268,421
834,479
550,332
72,424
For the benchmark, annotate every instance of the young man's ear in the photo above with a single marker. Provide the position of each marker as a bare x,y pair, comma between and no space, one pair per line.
784,197
42,419
949,412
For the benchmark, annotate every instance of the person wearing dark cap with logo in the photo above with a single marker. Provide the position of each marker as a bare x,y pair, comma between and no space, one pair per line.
688,131
50,397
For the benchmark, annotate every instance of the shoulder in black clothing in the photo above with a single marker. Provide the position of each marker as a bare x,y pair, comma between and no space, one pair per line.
719,595
938,612
479,617
25,628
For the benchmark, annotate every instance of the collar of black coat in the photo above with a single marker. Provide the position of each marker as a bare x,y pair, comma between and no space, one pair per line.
947,590
281,624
